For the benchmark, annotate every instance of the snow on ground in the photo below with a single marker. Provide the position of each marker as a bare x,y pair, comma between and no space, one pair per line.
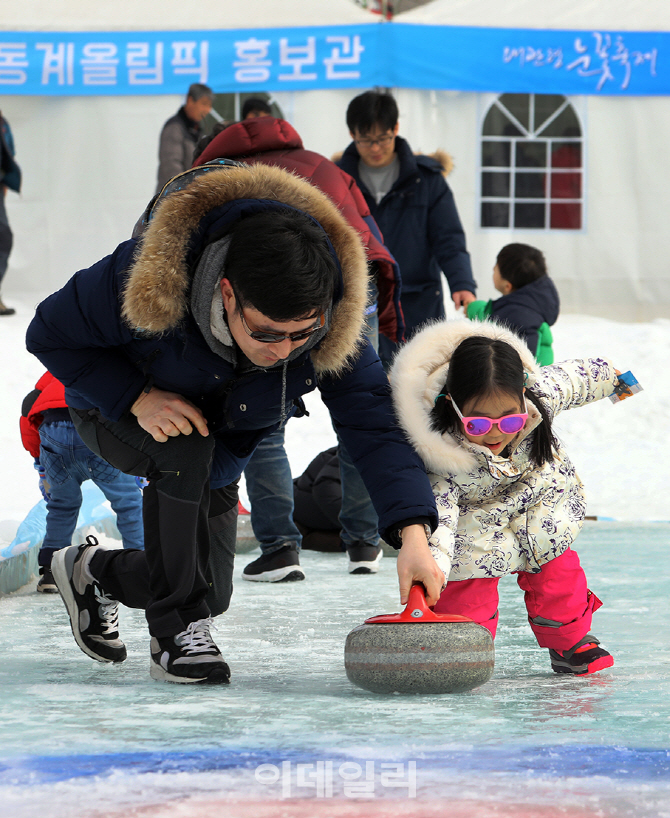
617,448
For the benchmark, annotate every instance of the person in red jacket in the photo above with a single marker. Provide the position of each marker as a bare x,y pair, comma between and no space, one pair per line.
64,462
271,141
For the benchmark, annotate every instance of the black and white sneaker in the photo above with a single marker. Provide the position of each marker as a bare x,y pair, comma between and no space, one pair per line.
364,559
279,566
190,657
94,616
46,584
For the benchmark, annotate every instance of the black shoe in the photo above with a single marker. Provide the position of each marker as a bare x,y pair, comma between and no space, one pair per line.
94,616
583,658
279,566
6,310
364,559
46,584
190,657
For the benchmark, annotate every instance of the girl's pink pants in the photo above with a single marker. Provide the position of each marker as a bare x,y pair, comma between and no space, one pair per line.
559,604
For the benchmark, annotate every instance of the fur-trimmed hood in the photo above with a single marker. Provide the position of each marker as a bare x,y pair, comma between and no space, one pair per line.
156,294
417,377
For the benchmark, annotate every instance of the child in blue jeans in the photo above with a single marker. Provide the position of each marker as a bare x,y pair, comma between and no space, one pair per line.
64,462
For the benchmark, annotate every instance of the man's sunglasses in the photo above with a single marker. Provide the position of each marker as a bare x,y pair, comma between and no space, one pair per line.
278,337
508,424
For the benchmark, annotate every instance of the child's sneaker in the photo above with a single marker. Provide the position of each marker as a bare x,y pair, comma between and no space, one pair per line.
190,657
94,616
46,584
583,658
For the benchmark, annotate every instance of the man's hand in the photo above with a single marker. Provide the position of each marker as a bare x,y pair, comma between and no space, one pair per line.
166,414
416,564
462,298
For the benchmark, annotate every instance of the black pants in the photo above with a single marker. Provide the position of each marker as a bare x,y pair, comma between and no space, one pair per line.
6,238
185,571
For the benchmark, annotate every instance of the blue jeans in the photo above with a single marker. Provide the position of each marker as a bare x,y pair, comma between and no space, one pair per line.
67,462
270,489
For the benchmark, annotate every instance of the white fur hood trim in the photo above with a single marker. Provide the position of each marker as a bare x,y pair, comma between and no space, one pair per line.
418,375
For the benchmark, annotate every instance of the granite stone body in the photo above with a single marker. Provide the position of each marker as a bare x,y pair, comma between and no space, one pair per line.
427,657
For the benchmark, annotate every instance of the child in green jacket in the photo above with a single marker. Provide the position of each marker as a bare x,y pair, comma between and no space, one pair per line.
529,303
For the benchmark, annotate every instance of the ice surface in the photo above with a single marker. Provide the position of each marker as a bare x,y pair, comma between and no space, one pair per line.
84,740
80,738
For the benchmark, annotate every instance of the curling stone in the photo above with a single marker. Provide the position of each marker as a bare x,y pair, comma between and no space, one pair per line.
419,651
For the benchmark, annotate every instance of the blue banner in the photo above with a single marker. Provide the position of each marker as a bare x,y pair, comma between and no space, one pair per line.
530,60
167,62
379,54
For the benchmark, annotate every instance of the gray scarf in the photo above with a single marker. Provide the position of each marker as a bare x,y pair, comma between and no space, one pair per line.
209,315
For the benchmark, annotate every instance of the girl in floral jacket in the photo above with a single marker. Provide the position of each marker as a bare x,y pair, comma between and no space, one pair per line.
478,410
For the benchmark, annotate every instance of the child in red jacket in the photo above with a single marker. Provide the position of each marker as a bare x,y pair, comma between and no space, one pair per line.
64,462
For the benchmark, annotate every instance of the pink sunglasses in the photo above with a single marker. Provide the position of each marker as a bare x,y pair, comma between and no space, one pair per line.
508,424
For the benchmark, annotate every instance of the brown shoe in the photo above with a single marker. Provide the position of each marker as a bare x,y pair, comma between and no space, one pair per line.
6,310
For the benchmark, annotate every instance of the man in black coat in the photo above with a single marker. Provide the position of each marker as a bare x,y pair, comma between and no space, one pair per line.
179,353
10,179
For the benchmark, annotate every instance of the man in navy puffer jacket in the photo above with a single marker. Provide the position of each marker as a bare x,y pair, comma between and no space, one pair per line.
179,353
414,208
270,141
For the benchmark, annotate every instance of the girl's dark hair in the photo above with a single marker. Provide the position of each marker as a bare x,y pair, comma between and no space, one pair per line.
521,264
480,367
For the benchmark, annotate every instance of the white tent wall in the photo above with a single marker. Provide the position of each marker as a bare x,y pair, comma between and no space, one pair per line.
175,15
616,266
608,15
89,163
89,169
319,117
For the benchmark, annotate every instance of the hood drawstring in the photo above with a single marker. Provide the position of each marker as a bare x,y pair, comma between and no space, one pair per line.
284,413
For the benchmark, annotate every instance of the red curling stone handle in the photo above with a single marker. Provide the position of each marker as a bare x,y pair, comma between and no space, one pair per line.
416,611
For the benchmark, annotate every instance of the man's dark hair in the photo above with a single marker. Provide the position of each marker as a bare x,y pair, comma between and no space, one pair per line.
255,105
281,264
371,109
480,367
197,91
521,264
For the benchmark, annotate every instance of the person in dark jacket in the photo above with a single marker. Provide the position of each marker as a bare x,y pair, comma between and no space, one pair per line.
275,142
64,462
255,107
180,352
181,133
414,208
530,303
10,178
